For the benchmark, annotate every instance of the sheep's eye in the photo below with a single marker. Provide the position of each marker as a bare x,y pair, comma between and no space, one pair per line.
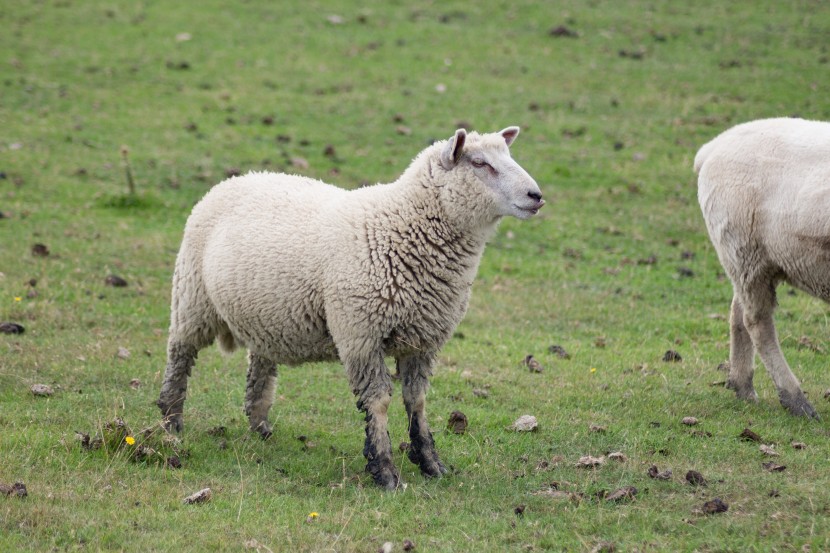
478,163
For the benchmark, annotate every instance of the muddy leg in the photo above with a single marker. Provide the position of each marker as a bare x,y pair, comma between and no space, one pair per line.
415,372
259,394
372,384
180,360
762,329
741,355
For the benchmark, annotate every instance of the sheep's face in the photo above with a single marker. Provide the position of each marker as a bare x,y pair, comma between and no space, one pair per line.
488,171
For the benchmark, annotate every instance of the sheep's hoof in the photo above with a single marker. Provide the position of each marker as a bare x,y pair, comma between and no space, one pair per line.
436,470
173,423
745,392
263,429
384,475
797,404
433,468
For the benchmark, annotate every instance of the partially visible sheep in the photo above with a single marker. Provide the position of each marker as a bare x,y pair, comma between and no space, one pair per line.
764,188
296,270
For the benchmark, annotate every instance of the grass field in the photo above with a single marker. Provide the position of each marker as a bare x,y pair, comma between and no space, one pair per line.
613,98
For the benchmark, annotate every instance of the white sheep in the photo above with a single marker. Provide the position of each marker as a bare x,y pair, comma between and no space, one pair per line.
764,188
296,270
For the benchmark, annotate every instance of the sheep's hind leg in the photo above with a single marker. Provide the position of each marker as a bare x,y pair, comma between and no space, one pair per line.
259,393
741,355
761,328
415,372
180,360
371,382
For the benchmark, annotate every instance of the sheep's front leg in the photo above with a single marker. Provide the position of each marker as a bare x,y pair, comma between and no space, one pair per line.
761,328
180,360
741,355
372,384
259,393
415,372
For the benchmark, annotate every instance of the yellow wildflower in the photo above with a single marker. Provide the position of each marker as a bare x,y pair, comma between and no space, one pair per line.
312,516
18,298
130,440
593,369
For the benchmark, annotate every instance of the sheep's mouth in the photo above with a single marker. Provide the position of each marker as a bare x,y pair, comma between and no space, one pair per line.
533,210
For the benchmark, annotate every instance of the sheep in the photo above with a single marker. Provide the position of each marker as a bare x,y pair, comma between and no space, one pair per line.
764,189
296,270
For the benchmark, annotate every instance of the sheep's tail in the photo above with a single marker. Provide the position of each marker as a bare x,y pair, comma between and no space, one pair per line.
702,155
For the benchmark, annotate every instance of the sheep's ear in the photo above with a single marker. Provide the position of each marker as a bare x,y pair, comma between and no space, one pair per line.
509,134
452,151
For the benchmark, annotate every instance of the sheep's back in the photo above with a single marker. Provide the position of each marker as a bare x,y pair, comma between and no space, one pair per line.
764,189
261,261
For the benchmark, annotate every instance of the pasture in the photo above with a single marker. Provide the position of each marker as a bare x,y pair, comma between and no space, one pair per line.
118,116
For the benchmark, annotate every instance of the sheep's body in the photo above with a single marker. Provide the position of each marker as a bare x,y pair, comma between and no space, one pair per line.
296,270
764,189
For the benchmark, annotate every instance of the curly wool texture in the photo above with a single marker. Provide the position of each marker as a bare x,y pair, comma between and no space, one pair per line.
295,269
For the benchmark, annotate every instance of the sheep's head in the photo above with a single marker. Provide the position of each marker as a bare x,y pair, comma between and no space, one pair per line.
486,170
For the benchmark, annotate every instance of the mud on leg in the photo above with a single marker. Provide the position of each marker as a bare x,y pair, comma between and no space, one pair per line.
371,382
180,360
415,372
259,393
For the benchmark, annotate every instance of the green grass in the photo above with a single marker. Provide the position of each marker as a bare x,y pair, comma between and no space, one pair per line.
610,121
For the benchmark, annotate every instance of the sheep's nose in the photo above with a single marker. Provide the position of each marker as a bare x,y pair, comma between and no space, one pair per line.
535,195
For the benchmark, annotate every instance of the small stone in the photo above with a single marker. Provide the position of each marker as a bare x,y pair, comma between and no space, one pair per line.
18,489
749,435
135,384
40,250
11,328
604,547
559,351
457,422
115,281
715,506
408,545
532,364
561,31
773,467
123,353
672,356
42,390
199,497
300,163
525,423
694,478
626,492
689,421
587,461
618,456
799,445
481,392
768,450
653,472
